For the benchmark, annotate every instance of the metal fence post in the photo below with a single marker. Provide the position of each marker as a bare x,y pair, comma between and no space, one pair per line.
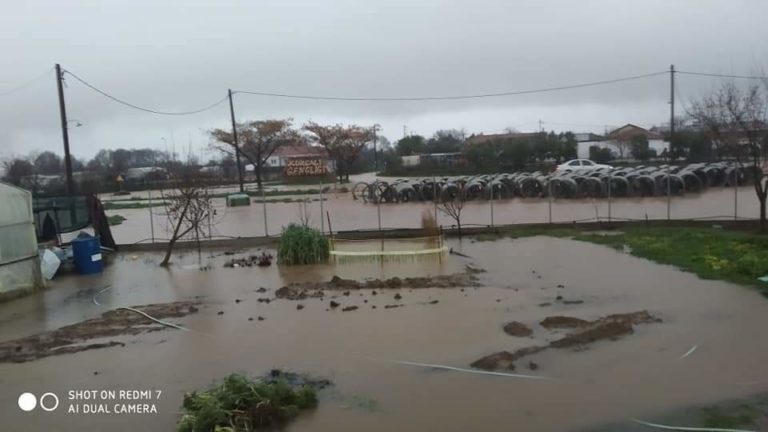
434,195
549,195
610,178
735,194
669,192
322,222
264,204
151,217
378,205
491,204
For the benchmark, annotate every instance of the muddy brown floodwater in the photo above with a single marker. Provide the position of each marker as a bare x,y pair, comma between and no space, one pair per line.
348,214
637,375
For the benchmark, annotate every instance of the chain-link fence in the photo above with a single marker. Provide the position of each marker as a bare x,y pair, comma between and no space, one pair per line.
702,192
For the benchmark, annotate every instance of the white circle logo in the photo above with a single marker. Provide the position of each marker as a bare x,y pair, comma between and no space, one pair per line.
27,401
55,398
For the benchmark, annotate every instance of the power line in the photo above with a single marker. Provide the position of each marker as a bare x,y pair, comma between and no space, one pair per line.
120,101
27,84
722,75
458,97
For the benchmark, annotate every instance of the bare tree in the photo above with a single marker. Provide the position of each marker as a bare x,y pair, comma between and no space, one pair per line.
453,205
623,145
258,141
188,208
343,143
737,121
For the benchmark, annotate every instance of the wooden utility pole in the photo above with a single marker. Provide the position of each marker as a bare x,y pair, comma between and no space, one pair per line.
671,137
64,132
375,153
234,141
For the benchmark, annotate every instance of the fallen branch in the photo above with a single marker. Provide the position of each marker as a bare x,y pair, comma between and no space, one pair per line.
473,371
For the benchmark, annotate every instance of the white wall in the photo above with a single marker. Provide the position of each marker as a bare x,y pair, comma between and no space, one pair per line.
582,150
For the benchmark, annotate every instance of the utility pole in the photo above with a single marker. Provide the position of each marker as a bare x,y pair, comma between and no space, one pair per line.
375,153
234,142
64,132
541,128
671,137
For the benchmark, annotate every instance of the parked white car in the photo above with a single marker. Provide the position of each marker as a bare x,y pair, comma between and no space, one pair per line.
581,165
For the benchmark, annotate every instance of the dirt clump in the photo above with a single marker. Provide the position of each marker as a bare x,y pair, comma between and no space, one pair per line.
496,361
595,332
301,291
504,360
555,322
73,338
585,332
518,329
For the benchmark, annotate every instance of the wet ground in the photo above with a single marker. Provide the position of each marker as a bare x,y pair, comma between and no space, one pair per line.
349,214
638,375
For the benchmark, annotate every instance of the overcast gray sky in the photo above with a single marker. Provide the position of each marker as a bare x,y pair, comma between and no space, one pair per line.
182,55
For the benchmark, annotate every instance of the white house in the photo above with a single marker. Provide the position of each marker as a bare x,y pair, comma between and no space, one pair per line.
618,139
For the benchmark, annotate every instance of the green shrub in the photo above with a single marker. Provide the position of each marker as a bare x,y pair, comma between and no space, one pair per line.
301,244
240,404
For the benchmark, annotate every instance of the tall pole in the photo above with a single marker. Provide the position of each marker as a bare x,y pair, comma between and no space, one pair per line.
491,204
64,132
671,137
375,153
234,141
322,221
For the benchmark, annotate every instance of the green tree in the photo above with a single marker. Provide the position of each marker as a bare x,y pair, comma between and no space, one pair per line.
446,141
600,154
411,145
638,147
16,169
48,163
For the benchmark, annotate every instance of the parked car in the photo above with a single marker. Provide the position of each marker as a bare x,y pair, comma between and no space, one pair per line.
581,165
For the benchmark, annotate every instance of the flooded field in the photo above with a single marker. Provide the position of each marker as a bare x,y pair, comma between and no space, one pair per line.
638,375
349,214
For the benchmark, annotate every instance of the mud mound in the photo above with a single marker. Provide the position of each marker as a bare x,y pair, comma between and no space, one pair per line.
594,333
504,359
300,291
73,338
555,322
610,327
518,329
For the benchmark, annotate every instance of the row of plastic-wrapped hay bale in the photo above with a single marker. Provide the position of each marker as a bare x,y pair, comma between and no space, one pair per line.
596,183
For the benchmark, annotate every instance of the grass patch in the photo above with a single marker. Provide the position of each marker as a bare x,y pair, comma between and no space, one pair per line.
736,417
733,256
115,220
718,254
240,404
302,245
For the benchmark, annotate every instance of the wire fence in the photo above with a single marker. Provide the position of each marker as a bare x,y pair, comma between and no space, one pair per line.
334,209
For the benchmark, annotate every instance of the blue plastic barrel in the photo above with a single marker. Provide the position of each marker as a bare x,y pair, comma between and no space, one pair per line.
86,251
